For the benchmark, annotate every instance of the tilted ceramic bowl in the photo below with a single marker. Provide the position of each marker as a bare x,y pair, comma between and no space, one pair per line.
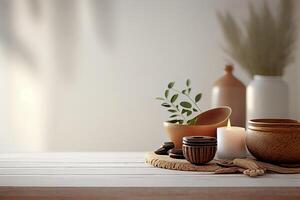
207,124
274,140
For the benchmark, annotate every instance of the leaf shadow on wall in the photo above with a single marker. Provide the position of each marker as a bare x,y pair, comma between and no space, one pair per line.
67,19
70,53
102,13
9,40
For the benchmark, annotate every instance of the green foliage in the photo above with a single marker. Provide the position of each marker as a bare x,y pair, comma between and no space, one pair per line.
265,44
166,93
171,84
185,110
185,104
174,97
198,97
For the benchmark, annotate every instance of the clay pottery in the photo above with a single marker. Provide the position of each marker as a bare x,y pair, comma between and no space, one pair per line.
207,124
199,149
230,91
274,140
267,97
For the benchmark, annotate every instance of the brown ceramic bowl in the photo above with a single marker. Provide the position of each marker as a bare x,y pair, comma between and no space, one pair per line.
274,140
199,150
199,155
207,124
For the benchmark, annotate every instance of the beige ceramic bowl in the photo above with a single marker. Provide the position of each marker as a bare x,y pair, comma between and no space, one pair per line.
207,124
274,140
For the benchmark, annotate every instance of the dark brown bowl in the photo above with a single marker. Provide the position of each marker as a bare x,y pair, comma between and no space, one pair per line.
199,149
199,155
274,140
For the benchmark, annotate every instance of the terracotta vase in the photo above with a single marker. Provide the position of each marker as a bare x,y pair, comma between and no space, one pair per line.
229,91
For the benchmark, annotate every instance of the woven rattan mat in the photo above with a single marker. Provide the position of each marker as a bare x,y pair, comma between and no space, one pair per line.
164,161
237,166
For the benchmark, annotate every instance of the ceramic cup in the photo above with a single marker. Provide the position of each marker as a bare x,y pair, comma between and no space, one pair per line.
199,149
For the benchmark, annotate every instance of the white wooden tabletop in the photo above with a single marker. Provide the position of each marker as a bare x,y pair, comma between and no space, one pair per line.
119,169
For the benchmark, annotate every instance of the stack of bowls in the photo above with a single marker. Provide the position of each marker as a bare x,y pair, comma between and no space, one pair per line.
274,140
199,149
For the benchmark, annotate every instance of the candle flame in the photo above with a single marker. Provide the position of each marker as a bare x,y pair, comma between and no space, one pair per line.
228,123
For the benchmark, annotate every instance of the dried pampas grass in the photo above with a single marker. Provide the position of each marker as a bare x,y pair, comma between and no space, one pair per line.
264,45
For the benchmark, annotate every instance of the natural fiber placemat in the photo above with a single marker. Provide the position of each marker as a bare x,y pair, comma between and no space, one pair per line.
248,166
164,161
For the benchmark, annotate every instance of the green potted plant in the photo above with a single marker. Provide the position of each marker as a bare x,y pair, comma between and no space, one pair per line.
185,110
263,47
186,118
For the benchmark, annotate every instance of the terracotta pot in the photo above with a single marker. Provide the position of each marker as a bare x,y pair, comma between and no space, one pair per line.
207,124
274,140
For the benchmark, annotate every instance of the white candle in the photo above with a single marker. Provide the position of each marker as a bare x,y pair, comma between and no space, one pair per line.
231,142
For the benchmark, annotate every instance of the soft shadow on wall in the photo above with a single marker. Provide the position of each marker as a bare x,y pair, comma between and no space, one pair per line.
41,42
81,78
82,75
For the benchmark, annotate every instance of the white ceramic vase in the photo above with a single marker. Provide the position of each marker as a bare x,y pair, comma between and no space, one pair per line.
267,97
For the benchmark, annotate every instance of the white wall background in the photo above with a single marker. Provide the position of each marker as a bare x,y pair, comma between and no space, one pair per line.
82,75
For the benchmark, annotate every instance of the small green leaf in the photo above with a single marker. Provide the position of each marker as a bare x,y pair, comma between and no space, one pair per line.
172,116
195,110
192,121
166,105
188,82
176,121
172,111
195,120
159,98
184,111
173,120
174,97
198,97
166,93
189,90
185,104
189,113
183,91
171,84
